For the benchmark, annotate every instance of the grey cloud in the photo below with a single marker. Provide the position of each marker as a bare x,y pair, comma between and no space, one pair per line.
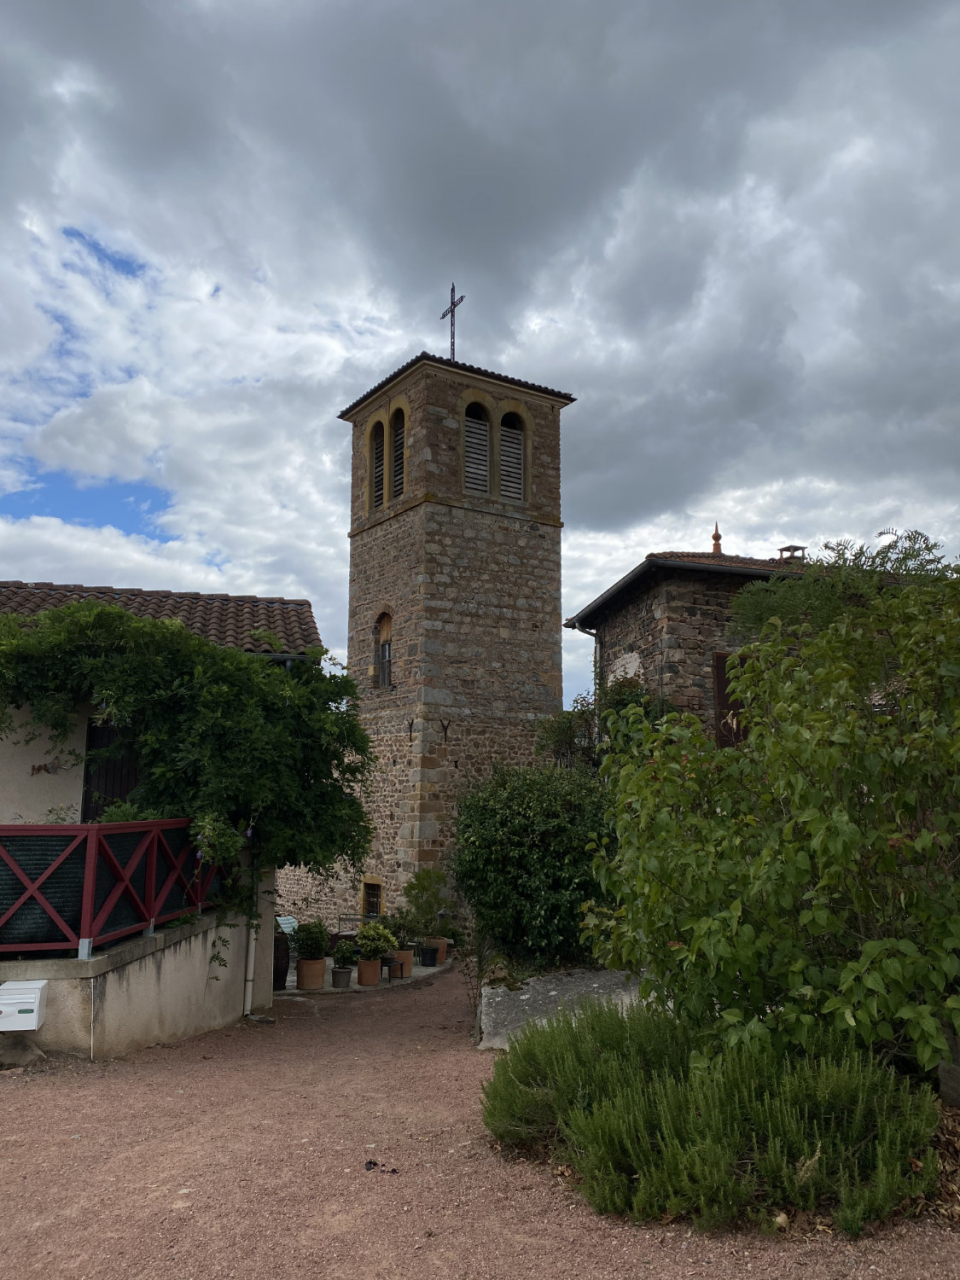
729,229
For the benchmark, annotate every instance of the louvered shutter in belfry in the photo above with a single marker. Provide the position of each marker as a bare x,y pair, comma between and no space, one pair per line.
398,457
378,466
511,462
476,457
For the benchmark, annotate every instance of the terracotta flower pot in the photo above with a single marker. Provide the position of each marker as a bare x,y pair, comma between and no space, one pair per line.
440,944
341,978
311,974
405,958
368,973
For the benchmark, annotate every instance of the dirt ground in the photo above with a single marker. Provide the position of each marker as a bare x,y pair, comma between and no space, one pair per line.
243,1152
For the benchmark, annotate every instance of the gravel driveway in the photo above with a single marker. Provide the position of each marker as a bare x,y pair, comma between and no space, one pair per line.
243,1153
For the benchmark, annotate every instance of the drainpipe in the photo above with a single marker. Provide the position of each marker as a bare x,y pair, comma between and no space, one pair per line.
252,926
251,963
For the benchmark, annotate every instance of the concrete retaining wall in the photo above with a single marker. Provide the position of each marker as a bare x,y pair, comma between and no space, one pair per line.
149,990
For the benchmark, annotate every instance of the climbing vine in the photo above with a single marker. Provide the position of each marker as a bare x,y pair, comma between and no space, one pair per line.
266,755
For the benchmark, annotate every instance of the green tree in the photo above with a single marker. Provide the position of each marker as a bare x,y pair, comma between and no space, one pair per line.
845,577
245,745
522,863
809,873
578,736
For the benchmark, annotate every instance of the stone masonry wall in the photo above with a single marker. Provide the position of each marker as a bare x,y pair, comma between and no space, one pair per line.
472,585
665,631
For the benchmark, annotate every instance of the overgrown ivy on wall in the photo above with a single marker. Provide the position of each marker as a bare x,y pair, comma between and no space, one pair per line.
267,757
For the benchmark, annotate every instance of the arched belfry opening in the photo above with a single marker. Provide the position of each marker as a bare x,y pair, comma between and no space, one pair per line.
476,449
397,457
511,457
377,465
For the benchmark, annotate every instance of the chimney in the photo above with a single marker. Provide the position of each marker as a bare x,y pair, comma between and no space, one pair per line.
716,539
792,552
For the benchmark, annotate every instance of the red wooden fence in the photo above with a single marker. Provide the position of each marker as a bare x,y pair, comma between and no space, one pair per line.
73,888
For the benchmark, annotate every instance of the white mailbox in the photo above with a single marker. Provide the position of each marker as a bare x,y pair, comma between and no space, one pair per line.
22,1005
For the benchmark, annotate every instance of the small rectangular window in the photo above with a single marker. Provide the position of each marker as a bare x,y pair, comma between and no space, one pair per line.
371,899
511,463
385,680
476,456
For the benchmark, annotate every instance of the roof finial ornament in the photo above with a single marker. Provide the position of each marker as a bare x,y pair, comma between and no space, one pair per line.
451,311
716,539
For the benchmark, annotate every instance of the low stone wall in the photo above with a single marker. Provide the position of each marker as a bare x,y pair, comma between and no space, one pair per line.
149,990
505,1012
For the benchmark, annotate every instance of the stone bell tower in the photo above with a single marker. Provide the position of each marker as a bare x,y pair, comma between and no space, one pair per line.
455,618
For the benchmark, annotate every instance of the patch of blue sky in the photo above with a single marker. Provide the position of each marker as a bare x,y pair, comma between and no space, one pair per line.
123,263
131,508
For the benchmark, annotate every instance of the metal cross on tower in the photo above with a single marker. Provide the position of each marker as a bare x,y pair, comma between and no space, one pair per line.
451,311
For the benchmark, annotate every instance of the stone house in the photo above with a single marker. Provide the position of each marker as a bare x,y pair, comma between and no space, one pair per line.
666,623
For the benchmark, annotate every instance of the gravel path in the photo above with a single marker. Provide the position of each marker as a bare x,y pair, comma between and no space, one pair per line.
242,1153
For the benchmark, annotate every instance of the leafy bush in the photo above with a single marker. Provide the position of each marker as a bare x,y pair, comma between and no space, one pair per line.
522,862
374,941
343,954
555,1067
747,1134
426,904
578,736
310,941
810,872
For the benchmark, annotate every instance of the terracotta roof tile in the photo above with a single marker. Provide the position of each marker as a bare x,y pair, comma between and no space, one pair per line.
425,356
747,566
224,619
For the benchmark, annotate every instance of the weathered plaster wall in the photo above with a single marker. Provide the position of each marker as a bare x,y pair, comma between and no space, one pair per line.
150,990
29,791
665,630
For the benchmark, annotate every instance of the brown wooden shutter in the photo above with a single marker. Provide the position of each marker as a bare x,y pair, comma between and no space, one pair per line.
378,465
105,780
476,456
511,460
729,727
397,485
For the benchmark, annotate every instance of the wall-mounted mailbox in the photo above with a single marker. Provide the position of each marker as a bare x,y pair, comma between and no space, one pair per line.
23,1005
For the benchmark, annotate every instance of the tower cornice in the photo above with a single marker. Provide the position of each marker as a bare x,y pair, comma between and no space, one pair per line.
383,387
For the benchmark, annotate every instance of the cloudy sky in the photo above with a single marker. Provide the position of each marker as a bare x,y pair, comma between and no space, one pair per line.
730,229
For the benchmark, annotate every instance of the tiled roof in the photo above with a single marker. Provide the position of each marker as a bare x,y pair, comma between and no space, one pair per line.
711,562
711,559
425,356
226,620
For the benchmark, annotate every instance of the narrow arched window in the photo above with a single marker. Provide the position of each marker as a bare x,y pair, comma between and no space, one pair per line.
396,440
511,457
476,449
376,465
382,657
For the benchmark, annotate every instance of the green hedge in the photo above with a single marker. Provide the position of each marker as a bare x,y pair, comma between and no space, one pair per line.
521,862
746,1135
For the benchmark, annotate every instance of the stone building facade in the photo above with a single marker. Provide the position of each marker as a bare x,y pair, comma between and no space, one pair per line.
666,624
455,622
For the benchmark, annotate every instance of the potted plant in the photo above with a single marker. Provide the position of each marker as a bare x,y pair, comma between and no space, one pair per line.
373,942
424,895
401,925
342,964
310,941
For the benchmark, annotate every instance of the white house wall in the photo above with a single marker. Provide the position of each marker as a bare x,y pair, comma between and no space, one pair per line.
38,784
